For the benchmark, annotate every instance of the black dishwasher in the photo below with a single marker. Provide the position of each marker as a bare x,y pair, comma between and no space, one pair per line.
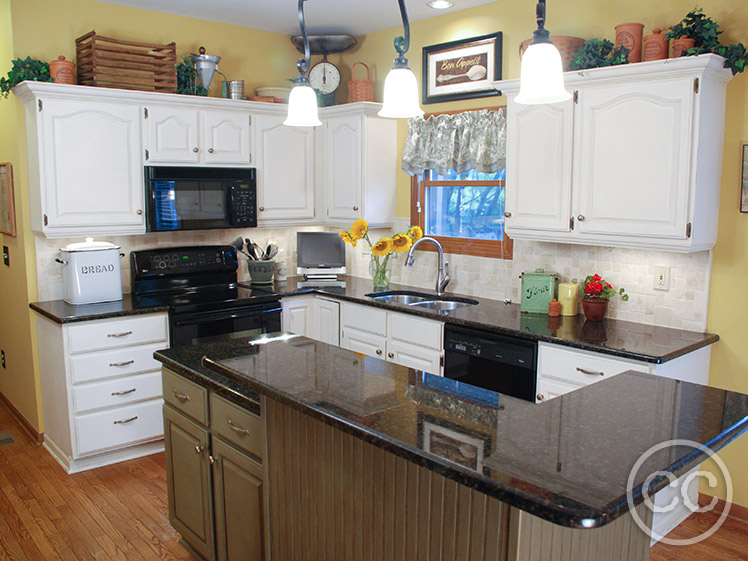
488,360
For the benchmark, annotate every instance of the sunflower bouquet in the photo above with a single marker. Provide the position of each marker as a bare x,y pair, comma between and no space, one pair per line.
383,249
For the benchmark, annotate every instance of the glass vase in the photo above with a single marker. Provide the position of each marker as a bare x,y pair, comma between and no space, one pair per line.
380,269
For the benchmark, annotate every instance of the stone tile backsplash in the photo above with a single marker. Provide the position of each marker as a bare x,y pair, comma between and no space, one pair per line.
684,306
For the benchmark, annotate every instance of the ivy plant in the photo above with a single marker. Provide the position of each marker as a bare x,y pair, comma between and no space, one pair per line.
596,53
24,69
186,79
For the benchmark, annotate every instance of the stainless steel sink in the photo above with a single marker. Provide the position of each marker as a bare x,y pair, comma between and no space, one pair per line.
400,297
443,305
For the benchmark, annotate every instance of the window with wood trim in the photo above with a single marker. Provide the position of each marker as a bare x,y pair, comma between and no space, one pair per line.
465,212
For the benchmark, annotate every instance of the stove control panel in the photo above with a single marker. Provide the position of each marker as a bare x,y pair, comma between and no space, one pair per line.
177,261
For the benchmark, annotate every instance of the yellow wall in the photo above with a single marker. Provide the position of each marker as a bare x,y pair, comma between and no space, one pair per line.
728,310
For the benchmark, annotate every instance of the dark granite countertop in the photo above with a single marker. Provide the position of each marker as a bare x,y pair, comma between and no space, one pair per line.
637,341
567,460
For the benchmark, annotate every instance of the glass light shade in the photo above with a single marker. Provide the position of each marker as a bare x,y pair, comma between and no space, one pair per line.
542,76
302,108
439,4
400,95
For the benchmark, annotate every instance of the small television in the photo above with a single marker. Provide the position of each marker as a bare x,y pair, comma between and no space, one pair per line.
320,255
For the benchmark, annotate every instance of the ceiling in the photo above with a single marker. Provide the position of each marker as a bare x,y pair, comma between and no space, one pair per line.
354,17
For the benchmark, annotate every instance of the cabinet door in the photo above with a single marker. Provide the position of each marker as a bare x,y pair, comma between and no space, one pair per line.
328,321
414,356
633,159
171,135
225,138
538,169
359,341
297,315
92,179
239,505
285,169
343,172
188,481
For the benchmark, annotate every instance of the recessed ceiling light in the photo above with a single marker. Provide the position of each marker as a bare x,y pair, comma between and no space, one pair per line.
439,4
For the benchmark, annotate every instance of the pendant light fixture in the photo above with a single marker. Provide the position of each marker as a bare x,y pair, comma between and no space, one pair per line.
400,87
542,76
302,103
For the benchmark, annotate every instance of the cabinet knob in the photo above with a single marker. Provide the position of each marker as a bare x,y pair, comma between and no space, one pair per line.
261,209
195,149
210,150
199,449
379,351
212,460
540,397
507,214
391,355
580,218
355,208
139,212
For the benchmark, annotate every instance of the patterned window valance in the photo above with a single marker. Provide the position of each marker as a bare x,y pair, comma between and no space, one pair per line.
462,141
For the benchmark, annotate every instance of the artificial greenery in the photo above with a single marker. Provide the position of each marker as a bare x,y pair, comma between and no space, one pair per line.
24,69
186,79
596,53
705,32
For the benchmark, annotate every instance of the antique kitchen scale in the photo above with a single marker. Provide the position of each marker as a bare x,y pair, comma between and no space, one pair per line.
324,76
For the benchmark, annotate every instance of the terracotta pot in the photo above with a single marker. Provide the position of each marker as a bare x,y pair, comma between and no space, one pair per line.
655,46
565,44
630,36
63,71
594,308
681,45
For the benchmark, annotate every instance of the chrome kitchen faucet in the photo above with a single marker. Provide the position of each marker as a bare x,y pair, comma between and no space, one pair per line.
442,275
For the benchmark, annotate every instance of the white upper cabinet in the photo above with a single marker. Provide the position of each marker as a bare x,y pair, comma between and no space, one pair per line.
634,160
85,173
186,135
360,162
285,170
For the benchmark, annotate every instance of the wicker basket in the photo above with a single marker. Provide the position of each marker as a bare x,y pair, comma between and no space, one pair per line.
360,90
112,63
567,46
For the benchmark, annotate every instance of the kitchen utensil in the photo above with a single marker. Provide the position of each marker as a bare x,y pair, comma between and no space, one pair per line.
238,243
92,272
250,249
538,289
206,66
235,89
258,251
272,251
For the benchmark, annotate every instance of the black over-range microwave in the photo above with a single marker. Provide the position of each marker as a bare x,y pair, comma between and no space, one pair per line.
199,198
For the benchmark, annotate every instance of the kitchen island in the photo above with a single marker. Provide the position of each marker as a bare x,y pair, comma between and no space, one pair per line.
364,459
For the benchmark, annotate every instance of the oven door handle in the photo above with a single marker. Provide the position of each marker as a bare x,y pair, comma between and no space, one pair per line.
203,317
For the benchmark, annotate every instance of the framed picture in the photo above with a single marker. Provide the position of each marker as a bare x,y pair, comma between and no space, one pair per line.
461,69
7,202
744,179
452,442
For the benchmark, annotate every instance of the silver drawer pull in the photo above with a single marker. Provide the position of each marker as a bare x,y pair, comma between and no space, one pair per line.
238,430
121,363
590,372
125,421
181,396
125,392
123,334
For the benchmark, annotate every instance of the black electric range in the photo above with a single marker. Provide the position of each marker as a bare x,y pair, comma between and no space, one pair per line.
199,285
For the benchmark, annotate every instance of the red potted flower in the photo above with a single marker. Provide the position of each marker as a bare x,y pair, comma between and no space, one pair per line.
596,293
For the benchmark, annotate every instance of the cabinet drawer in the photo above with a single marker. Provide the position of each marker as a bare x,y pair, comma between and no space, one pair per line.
108,334
415,331
548,388
358,341
240,427
119,427
186,397
108,364
581,367
365,318
113,393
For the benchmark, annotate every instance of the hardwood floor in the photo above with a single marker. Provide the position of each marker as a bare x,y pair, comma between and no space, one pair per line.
119,512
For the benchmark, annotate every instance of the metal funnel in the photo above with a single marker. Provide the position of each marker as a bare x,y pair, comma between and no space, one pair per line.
205,66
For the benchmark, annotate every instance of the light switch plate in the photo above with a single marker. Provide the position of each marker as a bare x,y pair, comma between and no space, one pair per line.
662,278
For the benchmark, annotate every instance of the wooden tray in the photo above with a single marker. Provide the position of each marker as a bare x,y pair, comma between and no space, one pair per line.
113,63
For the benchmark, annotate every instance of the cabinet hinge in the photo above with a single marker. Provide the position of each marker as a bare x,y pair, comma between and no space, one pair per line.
250,119
147,154
576,96
441,361
328,212
46,220
695,85
688,230
418,207
571,223
145,112
41,105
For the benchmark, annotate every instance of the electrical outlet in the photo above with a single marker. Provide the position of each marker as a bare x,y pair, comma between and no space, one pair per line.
2,357
662,278
6,255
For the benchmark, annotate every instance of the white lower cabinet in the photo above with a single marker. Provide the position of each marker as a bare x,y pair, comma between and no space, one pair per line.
400,338
101,389
315,317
